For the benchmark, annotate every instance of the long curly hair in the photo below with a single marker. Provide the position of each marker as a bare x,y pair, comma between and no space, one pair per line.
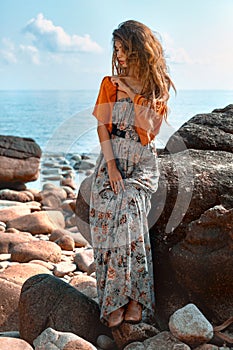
145,57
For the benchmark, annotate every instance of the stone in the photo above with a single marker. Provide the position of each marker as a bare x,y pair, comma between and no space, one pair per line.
68,181
63,238
190,326
208,347
18,196
53,198
105,342
85,284
13,334
20,160
164,341
63,268
209,131
8,240
84,259
41,250
13,212
5,257
12,343
135,346
62,307
38,222
128,333
11,281
52,339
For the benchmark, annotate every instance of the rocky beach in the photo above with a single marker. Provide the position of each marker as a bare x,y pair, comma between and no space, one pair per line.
48,296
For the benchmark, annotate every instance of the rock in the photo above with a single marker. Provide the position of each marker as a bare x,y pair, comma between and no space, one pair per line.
8,240
128,333
5,257
70,192
164,341
135,346
13,334
67,206
11,195
191,183
210,131
83,165
208,347
53,197
13,212
63,269
68,181
85,284
190,326
84,259
71,221
12,343
105,342
20,160
62,307
91,268
11,280
51,338
38,222
41,250
63,239
82,208
48,265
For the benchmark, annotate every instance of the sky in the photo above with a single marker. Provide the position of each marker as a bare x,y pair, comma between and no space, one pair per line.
67,44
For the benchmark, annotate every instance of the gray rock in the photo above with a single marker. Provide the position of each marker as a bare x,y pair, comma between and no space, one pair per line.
190,326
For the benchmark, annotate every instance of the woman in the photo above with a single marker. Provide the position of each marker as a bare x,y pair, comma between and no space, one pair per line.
130,108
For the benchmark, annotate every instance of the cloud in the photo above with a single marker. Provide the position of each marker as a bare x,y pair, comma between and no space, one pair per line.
178,55
8,52
53,38
31,52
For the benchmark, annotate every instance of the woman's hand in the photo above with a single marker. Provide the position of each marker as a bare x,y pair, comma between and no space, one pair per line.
115,179
119,82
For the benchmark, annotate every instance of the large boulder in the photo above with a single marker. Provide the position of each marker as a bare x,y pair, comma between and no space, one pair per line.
20,159
62,308
191,219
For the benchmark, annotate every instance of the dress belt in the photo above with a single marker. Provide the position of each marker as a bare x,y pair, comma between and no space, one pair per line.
122,133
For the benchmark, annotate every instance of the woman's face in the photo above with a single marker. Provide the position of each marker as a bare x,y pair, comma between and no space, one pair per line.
121,56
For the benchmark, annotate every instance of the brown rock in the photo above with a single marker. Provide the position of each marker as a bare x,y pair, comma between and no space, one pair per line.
85,284
38,222
12,343
13,212
8,240
53,197
79,241
18,196
63,239
62,307
68,181
128,333
42,250
11,280
84,259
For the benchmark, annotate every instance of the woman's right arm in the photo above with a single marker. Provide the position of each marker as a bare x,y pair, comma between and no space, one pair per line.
114,174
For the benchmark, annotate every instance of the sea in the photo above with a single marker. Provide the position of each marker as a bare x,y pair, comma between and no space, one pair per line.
62,121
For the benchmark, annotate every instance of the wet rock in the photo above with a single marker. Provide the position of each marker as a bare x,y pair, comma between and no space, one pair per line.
62,307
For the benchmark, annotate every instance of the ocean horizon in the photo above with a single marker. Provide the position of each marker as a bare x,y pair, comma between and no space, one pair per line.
62,120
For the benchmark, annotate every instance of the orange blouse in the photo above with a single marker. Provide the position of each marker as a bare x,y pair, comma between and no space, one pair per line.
148,120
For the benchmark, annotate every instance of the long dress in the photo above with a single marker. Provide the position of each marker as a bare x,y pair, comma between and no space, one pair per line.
118,222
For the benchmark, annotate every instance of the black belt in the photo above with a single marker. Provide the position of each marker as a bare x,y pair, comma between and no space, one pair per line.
122,133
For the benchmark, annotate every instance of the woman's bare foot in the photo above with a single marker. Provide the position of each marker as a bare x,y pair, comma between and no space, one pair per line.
133,312
116,318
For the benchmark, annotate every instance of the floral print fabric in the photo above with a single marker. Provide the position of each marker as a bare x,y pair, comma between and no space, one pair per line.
118,222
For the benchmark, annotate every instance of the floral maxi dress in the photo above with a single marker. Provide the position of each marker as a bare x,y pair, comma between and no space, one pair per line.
118,222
